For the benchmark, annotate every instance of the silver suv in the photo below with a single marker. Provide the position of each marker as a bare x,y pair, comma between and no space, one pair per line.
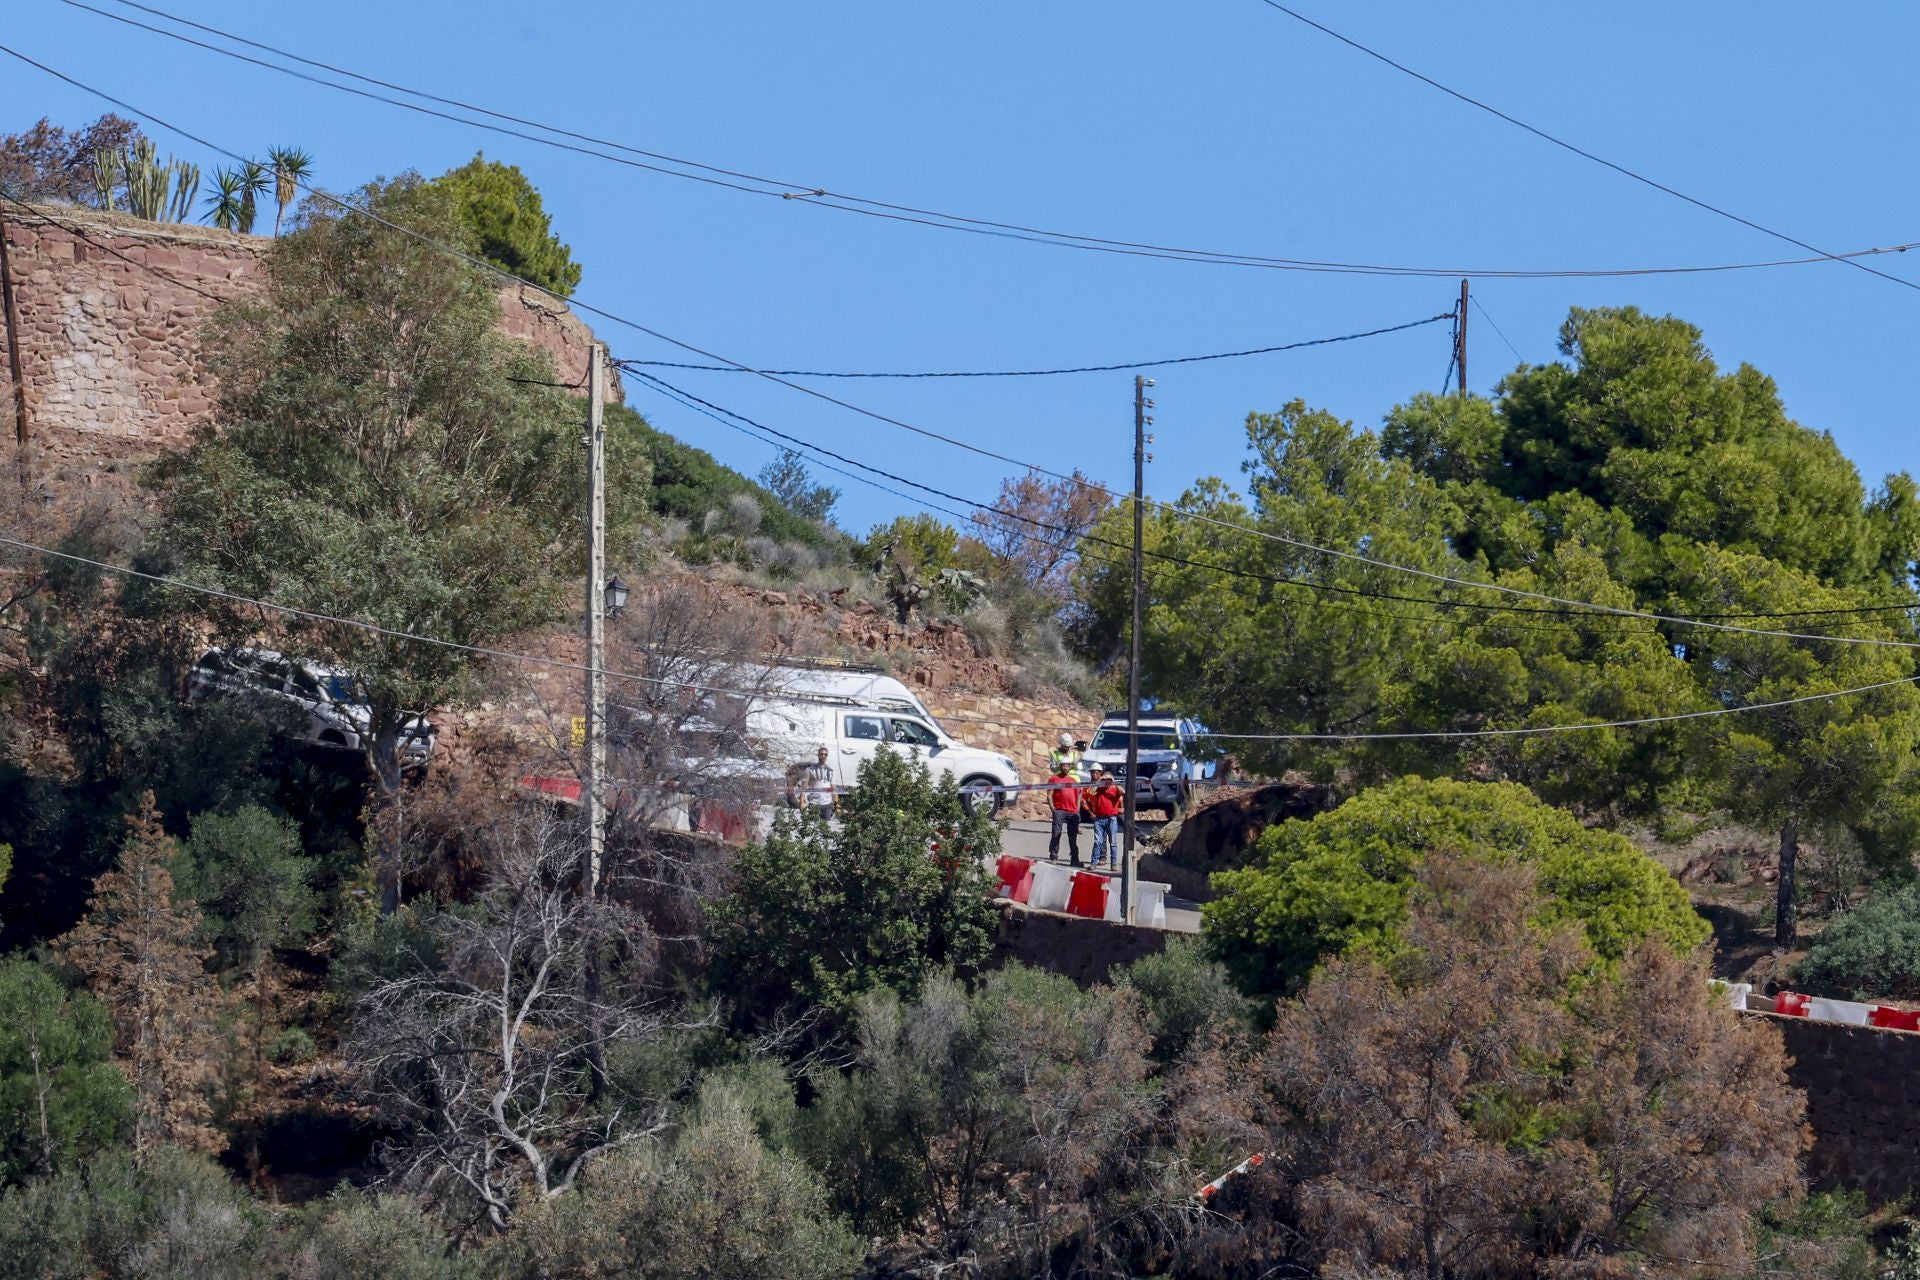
1168,768
306,701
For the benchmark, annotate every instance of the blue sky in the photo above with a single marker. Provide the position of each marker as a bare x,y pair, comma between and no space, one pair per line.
1220,124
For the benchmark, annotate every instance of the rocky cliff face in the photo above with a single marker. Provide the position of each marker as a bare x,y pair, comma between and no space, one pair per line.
110,309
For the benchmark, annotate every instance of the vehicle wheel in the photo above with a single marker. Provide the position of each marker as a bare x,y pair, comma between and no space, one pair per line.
987,803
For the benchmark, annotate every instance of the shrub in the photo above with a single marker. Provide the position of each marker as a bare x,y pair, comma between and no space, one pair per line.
821,916
1343,881
1871,952
292,1045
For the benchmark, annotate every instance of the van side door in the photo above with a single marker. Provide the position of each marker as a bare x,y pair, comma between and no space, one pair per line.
861,735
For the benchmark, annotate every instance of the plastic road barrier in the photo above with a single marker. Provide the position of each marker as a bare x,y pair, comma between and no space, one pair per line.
1016,875
1088,896
1150,903
1894,1019
1051,884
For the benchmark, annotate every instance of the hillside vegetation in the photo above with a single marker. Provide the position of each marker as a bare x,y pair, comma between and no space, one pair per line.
279,1005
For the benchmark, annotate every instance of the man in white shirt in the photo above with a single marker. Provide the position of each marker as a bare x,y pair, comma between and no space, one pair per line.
816,788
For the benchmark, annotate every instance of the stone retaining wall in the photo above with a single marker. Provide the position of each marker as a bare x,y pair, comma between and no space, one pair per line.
1863,1104
110,311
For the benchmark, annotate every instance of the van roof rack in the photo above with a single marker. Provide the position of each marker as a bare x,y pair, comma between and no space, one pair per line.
822,664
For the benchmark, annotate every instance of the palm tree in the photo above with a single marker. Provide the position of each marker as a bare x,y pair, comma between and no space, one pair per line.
290,165
224,202
253,184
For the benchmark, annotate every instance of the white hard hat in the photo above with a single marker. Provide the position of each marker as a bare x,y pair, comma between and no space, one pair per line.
1066,739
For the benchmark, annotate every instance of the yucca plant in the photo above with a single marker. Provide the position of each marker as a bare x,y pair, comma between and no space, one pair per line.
253,184
289,165
223,203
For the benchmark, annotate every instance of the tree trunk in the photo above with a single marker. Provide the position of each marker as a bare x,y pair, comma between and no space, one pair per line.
387,840
1786,919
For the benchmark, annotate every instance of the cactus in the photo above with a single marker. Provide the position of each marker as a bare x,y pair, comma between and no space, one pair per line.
106,176
147,181
186,185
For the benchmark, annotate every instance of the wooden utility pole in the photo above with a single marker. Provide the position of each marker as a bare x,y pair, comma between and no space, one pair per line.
1460,339
20,429
1140,406
594,792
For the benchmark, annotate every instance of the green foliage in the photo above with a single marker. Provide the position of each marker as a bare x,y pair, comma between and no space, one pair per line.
925,543
1870,953
688,483
173,1216
788,479
375,459
54,1072
248,875
1343,881
1186,995
1826,1233
356,1235
716,1200
292,1046
820,916
505,219
1006,1119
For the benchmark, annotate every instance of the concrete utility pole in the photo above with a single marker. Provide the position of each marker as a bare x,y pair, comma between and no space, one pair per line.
13,350
1460,339
1140,406
594,793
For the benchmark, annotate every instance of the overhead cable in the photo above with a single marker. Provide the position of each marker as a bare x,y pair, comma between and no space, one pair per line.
783,439
538,660
1582,152
816,393
819,196
1049,373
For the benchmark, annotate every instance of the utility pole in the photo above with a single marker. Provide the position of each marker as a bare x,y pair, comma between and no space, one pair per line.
13,352
594,793
1140,420
1460,339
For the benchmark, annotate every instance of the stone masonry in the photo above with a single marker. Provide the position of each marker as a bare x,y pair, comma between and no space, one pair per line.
110,310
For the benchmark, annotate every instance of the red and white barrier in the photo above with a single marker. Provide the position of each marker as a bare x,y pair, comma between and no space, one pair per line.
1253,1161
1852,1013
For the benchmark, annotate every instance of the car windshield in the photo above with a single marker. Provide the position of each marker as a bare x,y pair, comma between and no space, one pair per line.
1150,740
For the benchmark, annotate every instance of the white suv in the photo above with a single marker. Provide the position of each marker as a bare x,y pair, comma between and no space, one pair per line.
308,702
1166,757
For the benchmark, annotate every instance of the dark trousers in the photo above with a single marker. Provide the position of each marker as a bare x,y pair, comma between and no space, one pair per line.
1071,822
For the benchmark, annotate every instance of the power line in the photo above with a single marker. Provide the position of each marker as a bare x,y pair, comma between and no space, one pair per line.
780,439
1353,556
1048,373
710,410
819,196
535,659
1481,308
1563,728
1562,143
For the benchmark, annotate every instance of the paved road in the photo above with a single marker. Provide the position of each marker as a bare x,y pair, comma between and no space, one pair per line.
1029,840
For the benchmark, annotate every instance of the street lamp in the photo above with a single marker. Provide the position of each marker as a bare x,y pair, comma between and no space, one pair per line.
616,596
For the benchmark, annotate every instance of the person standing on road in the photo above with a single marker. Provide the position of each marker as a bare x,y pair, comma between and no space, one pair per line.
817,789
1106,803
1065,795
1063,759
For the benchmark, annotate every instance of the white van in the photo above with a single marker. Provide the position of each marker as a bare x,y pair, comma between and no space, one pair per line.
853,714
